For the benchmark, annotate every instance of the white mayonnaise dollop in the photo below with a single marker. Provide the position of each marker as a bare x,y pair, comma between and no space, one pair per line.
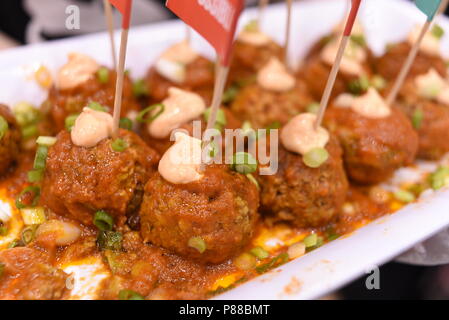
300,136
76,71
91,127
274,76
180,107
172,63
432,86
181,163
430,44
370,105
254,37
352,61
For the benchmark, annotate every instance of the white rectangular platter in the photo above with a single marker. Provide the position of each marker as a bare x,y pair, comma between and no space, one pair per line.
336,263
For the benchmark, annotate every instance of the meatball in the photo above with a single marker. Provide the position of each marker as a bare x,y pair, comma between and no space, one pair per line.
389,65
430,119
200,77
79,181
306,197
373,148
220,209
27,275
262,108
10,141
162,145
62,103
247,59
315,72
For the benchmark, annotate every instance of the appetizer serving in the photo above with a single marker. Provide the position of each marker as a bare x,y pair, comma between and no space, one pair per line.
143,214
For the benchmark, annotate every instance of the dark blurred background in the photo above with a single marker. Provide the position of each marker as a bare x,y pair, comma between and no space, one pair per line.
30,21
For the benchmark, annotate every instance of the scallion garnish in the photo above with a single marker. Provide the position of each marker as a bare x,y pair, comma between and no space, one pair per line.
30,195
221,120
103,75
437,31
109,240
259,253
244,163
28,234
41,158
245,261
311,240
3,127
404,196
97,107
35,175
119,145
417,119
129,295
197,243
278,260
103,221
70,121
46,141
148,114
140,88
126,123
29,131
315,157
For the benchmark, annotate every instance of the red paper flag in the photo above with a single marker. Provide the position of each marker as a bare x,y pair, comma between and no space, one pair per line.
352,16
124,6
215,20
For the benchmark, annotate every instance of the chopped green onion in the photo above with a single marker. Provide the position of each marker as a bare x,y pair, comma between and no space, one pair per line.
221,117
140,88
35,175
230,94
3,231
103,221
70,121
404,196
313,107
437,31
26,114
439,177
129,295
29,132
417,119
244,163
141,117
41,158
212,146
197,243
28,234
97,107
274,125
109,240
315,157
278,260
35,191
103,75
359,39
31,216
119,145
259,253
46,141
3,127
311,240
253,180
378,82
14,244
359,85
245,261
252,26
126,123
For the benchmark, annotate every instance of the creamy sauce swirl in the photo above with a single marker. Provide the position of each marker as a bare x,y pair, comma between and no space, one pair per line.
181,162
91,127
432,86
352,61
369,105
180,107
76,71
274,76
430,44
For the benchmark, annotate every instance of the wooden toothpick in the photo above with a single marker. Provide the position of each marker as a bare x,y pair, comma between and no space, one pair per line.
110,24
119,83
288,30
262,6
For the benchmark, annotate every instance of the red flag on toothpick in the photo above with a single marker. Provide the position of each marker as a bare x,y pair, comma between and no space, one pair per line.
355,6
124,6
216,21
